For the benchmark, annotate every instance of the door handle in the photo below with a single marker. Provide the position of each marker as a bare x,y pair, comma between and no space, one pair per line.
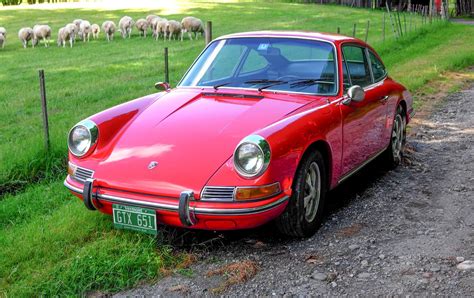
384,98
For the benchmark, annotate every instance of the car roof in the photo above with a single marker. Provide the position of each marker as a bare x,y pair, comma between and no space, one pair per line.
330,37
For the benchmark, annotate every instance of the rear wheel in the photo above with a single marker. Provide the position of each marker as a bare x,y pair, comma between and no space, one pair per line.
303,214
394,152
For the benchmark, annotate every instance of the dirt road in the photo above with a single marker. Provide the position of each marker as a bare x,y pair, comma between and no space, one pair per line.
399,232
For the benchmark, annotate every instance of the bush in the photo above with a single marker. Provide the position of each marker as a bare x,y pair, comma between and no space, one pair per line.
10,2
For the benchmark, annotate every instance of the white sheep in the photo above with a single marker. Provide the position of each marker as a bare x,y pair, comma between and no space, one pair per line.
149,18
77,23
41,32
64,34
95,31
192,25
142,26
125,26
173,29
73,31
85,30
25,35
109,30
3,36
159,27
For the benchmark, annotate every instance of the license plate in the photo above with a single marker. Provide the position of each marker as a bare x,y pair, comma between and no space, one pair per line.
135,219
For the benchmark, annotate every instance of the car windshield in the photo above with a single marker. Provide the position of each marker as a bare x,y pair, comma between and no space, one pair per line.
278,64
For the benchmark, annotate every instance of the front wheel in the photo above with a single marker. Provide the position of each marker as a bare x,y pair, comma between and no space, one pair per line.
393,154
303,214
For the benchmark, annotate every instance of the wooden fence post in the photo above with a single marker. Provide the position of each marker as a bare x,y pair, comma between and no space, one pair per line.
354,30
208,32
338,30
44,108
167,72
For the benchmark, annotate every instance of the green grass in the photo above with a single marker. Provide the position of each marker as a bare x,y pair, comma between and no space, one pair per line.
49,243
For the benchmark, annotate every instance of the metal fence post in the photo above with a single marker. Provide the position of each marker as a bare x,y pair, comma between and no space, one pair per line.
167,72
44,109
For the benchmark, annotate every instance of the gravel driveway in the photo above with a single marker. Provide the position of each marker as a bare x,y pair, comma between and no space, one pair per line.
406,231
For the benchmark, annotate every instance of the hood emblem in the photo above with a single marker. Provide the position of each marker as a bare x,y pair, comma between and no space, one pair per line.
152,165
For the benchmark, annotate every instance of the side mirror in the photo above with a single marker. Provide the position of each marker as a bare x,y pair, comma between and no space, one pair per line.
355,93
162,86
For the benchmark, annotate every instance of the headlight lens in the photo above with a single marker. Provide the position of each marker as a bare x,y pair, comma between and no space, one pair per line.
82,137
252,156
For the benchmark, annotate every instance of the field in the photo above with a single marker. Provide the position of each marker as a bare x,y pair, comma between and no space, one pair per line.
49,243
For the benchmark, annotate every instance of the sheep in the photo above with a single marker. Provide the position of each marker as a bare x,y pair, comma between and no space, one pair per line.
142,26
77,23
41,32
64,34
25,35
192,25
173,29
149,18
95,31
85,30
125,26
158,27
3,36
73,31
109,30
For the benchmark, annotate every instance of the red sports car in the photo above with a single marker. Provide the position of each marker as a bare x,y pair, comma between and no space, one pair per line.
260,128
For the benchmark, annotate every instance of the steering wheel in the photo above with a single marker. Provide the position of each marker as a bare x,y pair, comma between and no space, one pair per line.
288,78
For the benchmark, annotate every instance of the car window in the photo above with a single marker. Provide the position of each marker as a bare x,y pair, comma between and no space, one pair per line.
358,67
254,62
225,63
377,67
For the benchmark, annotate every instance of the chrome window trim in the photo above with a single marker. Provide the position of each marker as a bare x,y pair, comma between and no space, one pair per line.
336,63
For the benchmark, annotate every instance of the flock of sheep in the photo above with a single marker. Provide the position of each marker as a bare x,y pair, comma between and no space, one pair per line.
83,29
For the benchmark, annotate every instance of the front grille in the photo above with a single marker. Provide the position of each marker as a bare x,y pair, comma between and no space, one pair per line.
82,174
218,193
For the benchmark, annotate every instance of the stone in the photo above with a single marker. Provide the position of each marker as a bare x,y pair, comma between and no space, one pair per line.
459,259
364,275
319,276
466,265
353,246
364,263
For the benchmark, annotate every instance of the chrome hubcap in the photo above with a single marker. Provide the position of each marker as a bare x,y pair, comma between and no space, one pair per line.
312,191
397,136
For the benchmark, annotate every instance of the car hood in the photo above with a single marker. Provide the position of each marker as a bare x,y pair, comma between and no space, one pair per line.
187,135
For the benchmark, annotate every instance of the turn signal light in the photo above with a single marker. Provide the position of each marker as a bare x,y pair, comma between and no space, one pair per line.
71,169
257,192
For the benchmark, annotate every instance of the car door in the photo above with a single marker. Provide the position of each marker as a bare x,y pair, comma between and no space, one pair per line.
362,122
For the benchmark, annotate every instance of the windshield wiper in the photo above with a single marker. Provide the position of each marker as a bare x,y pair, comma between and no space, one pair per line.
309,82
220,85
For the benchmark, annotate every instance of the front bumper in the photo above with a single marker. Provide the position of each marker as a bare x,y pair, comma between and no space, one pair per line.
205,215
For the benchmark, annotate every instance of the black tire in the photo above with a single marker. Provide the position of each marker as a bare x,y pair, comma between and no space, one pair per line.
394,152
296,221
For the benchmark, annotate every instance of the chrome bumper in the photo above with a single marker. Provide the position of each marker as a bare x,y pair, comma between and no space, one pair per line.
175,207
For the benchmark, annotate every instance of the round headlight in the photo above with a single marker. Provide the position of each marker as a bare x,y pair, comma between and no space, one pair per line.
252,156
82,137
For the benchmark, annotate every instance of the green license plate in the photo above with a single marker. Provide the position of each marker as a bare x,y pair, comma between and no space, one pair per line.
135,218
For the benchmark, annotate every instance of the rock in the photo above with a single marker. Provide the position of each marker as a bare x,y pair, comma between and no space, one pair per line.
333,284
466,265
364,275
459,259
435,268
319,276
353,246
364,263
427,274
381,256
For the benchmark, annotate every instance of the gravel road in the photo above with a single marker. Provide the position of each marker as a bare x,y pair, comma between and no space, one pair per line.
409,231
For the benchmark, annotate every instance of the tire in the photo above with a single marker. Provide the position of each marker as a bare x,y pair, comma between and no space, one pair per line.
299,220
394,152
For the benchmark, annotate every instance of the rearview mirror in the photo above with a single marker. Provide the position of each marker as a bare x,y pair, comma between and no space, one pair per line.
162,86
354,93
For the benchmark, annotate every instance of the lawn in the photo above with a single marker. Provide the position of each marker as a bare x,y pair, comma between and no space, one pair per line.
49,243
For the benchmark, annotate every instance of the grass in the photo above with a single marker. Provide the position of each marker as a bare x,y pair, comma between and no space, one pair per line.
49,243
